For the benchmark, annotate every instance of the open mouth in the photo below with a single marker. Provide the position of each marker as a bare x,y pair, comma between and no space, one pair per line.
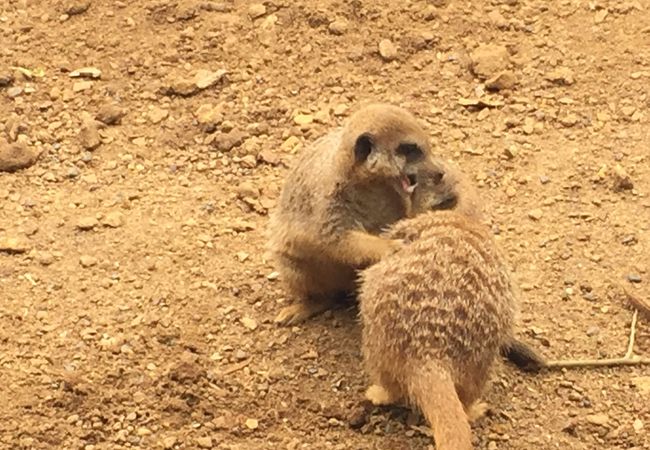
409,182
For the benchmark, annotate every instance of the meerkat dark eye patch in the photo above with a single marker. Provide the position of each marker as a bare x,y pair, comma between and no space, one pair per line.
449,202
436,177
411,152
363,148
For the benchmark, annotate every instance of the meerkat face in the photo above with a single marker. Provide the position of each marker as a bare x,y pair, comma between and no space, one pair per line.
436,189
386,142
373,159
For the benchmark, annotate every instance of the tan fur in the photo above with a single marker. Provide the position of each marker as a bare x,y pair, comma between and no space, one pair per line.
332,209
435,314
442,185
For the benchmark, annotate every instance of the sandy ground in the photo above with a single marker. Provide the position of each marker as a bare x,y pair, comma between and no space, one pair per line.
136,305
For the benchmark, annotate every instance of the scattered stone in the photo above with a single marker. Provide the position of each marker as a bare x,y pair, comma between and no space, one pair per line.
634,278
593,331
502,80
268,157
303,119
227,141
249,323
387,50
87,261
204,442
600,16
113,219
598,419
81,86
87,223
497,19
256,10
252,424
181,87
16,156
338,27
247,189
240,355
157,115
489,59
86,72
249,161
535,214
569,120
77,7
13,245
561,76
340,110
45,258
168,442
203,79
473,151
206,78
89,135
479,103
358,416
6,79
637,425
110,114
310,354
209,117
14,91
529,125
622,181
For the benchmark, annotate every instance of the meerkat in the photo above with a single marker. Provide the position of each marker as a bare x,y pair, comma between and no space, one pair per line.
435,315
341,193
441,185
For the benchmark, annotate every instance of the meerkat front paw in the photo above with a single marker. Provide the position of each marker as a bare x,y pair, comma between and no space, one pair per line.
304,309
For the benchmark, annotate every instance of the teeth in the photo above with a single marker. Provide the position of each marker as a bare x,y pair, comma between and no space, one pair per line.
411,188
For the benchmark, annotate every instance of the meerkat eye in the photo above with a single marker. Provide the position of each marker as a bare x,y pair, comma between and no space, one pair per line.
437,176
411,152
363,148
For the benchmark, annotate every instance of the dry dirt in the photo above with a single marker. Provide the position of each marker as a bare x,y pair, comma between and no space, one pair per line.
136,305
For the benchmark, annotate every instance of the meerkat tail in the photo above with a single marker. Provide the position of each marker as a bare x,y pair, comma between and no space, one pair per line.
522,355
433,390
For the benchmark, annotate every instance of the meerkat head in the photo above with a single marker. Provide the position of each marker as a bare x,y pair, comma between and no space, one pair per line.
384,141
441,186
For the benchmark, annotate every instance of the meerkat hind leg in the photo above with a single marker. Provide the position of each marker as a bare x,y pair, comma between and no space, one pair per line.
476,411
380,395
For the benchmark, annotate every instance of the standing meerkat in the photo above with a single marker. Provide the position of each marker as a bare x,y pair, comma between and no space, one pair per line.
342,192
435,315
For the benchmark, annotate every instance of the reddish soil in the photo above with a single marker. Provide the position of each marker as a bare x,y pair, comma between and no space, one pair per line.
136,303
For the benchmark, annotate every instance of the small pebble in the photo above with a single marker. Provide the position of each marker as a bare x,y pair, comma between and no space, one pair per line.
634,278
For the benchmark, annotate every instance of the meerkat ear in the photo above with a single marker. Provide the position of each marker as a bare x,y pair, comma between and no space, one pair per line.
363,148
